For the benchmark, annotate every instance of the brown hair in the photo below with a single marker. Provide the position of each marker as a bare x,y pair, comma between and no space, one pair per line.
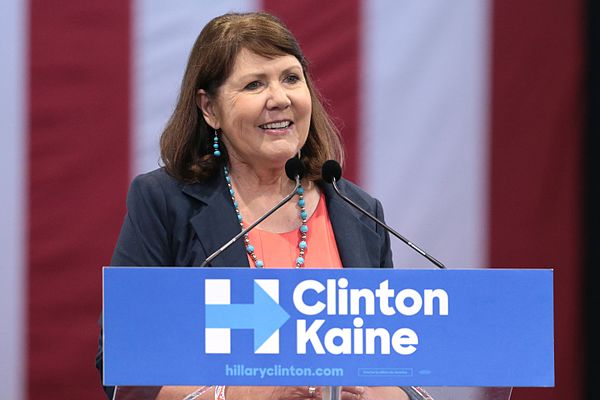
186,142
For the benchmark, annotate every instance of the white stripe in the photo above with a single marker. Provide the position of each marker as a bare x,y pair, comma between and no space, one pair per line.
12,181
164,33
424,126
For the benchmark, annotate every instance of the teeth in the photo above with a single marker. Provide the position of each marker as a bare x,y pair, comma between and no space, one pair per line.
276,125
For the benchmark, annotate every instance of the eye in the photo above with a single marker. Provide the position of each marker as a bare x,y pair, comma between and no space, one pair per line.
253,85
292,78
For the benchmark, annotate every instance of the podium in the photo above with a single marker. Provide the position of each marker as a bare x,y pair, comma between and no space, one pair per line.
469,334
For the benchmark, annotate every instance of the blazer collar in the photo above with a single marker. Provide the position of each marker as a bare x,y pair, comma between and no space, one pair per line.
217,223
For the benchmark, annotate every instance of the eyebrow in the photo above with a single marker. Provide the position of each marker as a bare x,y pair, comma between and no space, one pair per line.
251,75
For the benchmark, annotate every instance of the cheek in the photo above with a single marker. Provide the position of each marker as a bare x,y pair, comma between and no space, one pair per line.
308,107
247,111
305,105
232,109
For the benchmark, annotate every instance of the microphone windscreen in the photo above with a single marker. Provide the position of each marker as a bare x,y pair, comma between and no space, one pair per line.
331,170
294,167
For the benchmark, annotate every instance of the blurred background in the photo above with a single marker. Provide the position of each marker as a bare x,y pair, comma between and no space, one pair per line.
471,120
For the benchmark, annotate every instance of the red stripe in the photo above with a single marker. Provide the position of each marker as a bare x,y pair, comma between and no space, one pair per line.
536,127
329,34
78,175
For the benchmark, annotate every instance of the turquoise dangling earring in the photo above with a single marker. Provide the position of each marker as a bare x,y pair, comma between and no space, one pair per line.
216,152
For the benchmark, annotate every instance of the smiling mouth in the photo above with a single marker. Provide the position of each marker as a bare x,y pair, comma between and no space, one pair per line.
276,125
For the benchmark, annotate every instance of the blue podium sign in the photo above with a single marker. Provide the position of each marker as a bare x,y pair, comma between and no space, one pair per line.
376,327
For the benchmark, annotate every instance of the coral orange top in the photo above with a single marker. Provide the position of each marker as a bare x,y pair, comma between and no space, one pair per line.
280,250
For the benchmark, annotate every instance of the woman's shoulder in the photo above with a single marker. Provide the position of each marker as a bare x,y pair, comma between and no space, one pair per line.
150,191
157,179
355,192
160,188
352,188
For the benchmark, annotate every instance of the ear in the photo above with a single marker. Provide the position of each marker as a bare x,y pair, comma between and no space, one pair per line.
206,104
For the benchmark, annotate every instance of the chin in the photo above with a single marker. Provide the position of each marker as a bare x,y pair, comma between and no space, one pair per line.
281,152
279,159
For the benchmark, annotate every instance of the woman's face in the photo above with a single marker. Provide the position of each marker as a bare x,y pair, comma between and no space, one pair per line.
263,109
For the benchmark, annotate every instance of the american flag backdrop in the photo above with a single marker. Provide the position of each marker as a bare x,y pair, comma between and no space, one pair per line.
463,117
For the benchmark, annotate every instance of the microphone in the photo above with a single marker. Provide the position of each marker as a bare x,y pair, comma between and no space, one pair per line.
294,169
332,172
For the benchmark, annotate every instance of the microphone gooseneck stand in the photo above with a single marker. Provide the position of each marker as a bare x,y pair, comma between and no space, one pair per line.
391,230
251,226
294,169
331,173
331,392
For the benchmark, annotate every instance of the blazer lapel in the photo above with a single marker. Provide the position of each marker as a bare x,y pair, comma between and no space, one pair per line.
357,242
216,223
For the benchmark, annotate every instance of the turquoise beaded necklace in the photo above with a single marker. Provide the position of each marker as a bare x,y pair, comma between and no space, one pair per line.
303,230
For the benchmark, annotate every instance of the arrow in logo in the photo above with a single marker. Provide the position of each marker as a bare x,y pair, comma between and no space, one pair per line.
264,316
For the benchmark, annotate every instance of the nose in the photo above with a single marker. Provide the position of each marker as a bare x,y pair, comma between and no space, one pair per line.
278,97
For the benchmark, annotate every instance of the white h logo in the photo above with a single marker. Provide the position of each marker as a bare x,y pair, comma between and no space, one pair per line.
264,316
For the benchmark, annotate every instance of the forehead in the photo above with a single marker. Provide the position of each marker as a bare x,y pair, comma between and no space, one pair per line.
248,63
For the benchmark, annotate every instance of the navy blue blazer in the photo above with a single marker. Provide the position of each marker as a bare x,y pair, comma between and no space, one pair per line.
169,223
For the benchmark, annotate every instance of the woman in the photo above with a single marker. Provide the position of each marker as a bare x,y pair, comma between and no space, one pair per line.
246,106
